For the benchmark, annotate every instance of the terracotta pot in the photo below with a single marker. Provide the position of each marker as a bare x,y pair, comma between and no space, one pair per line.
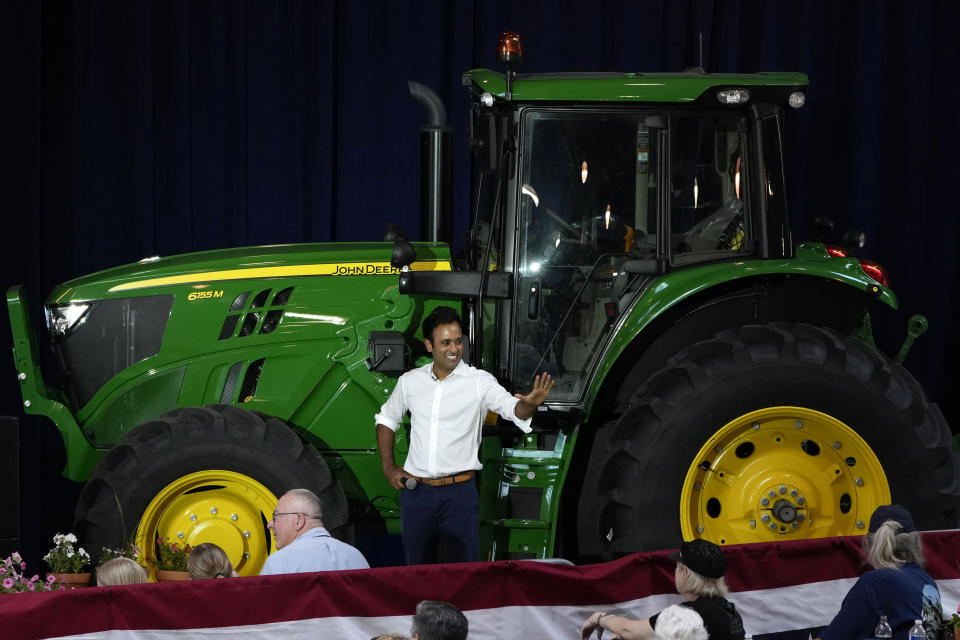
956,633
70,580
171,576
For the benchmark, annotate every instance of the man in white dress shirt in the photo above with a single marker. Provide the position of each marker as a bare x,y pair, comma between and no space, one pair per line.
448,401
303,544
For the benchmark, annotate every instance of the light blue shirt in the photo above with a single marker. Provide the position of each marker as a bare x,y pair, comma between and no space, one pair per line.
315,550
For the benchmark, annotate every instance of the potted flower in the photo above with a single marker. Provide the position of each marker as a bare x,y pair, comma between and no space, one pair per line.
172,560
13,577
66,563
129,550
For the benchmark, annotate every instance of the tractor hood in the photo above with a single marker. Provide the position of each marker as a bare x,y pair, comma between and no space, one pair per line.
270,261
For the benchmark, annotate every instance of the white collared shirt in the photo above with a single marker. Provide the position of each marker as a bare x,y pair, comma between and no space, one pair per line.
446,417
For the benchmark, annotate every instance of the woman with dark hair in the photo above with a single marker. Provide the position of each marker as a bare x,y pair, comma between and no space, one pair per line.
897,587
701,566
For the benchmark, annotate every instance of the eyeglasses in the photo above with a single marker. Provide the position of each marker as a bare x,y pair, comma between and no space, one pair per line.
293,513
285,513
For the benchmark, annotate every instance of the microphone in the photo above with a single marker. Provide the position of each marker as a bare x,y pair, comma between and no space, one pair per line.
410,483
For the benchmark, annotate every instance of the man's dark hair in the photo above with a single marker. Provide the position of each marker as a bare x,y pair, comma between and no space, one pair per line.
437,317
436,620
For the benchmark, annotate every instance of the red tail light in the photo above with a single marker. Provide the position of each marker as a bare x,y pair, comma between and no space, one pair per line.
875,271
835,251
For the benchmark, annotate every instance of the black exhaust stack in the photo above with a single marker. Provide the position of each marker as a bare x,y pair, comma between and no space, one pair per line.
436,168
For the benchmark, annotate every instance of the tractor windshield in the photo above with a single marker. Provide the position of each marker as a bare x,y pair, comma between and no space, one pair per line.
589,201
595,186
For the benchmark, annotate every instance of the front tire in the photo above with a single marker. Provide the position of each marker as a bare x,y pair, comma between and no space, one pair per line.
828,425
204,474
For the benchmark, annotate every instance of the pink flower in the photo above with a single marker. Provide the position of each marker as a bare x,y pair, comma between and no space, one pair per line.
23,566
8,583
51,578
3,569
30,586
35,577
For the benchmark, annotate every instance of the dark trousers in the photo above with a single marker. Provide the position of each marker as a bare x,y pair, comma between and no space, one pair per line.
440,524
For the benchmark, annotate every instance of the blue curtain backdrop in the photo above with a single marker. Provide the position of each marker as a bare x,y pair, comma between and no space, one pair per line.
133,128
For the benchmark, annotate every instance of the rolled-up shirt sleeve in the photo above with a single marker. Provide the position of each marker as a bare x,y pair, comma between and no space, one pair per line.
391,413
500,401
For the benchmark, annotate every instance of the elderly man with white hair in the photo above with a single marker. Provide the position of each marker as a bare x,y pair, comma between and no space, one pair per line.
303,544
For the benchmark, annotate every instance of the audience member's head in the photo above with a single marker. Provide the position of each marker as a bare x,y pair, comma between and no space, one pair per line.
207,560
391,636
120,571
297,511
437,620
701,566
892,539
680,623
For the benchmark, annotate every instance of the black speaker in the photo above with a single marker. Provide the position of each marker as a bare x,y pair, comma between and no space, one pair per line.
10,487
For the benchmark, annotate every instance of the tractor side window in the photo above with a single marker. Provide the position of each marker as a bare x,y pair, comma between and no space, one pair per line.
707,170
588,202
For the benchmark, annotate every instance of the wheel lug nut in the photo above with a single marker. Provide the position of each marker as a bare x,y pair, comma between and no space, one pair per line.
858,482
859,524
773,527
246,534
801,500
772,494
213,510
765,518
180,534
699,529
193,517
246,555
798,425
755,426
836,445
234,517
794,493
783,489
753,524
765,501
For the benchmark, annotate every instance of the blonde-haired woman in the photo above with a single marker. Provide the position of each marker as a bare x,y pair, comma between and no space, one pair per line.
207,560
120,571
897,587
701,566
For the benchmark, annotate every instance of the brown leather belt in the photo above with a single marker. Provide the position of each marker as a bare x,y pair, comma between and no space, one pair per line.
441,482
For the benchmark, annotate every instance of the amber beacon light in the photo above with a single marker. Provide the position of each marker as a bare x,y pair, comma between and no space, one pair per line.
509,49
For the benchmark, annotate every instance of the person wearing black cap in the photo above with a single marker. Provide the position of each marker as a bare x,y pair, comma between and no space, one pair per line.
701,566
897,587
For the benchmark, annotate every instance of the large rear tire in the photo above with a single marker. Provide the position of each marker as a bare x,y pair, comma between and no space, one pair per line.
771,432
204,474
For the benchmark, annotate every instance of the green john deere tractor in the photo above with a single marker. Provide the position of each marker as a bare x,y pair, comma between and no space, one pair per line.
630,236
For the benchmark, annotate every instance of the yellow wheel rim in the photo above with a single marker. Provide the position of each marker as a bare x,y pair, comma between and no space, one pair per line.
782,473
226,508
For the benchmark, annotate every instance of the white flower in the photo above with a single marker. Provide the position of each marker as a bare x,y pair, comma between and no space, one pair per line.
69,554
83,553
58,539
71,538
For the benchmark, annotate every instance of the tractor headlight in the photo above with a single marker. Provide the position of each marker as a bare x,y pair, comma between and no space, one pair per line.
62,318
733,96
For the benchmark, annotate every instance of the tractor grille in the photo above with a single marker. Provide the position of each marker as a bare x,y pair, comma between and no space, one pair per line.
253,313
